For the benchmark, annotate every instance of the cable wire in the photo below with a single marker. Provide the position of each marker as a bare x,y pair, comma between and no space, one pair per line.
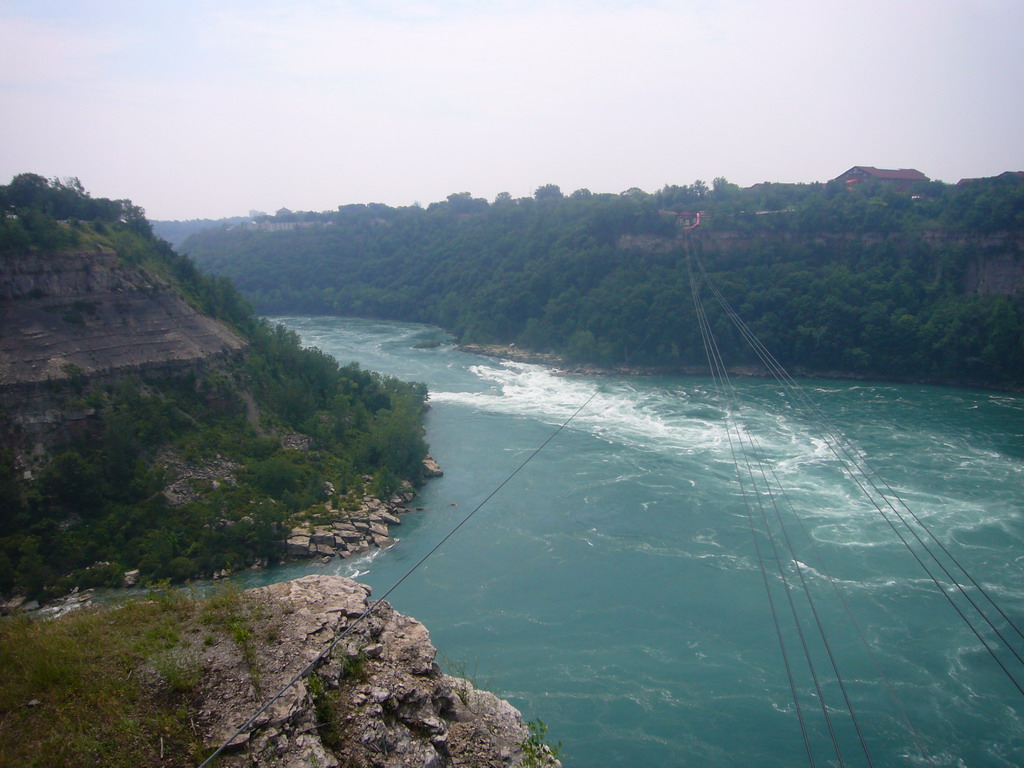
840,444
773,497
856,464
783,377
247,725
706,338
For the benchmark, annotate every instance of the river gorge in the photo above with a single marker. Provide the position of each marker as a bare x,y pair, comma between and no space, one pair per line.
612,589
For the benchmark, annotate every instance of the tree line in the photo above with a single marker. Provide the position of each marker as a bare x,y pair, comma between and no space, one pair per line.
866,280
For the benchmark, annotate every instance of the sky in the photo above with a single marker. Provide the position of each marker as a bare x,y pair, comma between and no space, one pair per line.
212,108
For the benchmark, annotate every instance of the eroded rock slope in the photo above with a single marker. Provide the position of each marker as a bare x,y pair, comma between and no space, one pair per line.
379,699
84,313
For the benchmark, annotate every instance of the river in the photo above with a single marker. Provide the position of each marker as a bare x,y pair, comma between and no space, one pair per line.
612,588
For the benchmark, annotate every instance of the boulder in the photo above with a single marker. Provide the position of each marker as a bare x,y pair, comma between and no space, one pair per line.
297,545
347,534
323,539
431,467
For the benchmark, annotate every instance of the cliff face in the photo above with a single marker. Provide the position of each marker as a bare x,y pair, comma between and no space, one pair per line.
1000,274
84,313
378,700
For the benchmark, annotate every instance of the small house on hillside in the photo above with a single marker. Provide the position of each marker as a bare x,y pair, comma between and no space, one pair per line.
902,178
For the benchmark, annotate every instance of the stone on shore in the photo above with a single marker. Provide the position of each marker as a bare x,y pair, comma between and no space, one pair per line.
431,467
347,532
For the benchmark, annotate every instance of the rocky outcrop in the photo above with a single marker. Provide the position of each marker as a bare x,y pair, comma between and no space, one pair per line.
349,532
85,314
649,244
188,481
512,352
377,700
75,320
1000,274
344,532
431,468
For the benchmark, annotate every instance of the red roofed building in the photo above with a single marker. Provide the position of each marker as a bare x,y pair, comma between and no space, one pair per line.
903,178
1005,175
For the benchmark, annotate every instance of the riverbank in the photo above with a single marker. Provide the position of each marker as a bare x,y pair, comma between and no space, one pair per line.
335,531
331,530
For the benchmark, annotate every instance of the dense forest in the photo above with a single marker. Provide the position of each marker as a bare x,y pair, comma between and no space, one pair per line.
868,279
87,511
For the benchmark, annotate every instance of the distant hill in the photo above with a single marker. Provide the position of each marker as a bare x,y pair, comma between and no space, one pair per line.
177,232
923,282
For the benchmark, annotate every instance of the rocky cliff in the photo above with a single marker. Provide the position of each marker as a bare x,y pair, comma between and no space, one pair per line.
80,316
84,313
998,274
378,700
115,387
237,679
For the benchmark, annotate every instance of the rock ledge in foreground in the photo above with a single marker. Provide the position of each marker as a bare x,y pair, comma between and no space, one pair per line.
383,701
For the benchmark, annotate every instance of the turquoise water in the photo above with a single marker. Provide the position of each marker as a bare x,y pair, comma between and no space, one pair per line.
612,588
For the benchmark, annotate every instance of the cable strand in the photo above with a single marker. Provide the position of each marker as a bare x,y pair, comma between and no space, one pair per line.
247,725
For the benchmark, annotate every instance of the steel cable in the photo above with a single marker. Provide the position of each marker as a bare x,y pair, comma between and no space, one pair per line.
248,724
840,443
716,372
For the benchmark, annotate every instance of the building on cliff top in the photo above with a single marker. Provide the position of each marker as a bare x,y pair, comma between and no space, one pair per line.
902,178
1017,176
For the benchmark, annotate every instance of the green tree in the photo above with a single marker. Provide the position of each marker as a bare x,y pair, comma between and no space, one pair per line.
548,192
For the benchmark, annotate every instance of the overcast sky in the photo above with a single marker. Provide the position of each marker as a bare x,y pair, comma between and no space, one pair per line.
211,108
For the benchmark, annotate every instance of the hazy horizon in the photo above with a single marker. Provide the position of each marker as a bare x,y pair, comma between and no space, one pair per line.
208,110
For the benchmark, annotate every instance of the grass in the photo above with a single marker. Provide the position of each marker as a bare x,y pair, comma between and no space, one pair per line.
71,693
113,686
353,666
182,668
329,702
325,704
231,610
